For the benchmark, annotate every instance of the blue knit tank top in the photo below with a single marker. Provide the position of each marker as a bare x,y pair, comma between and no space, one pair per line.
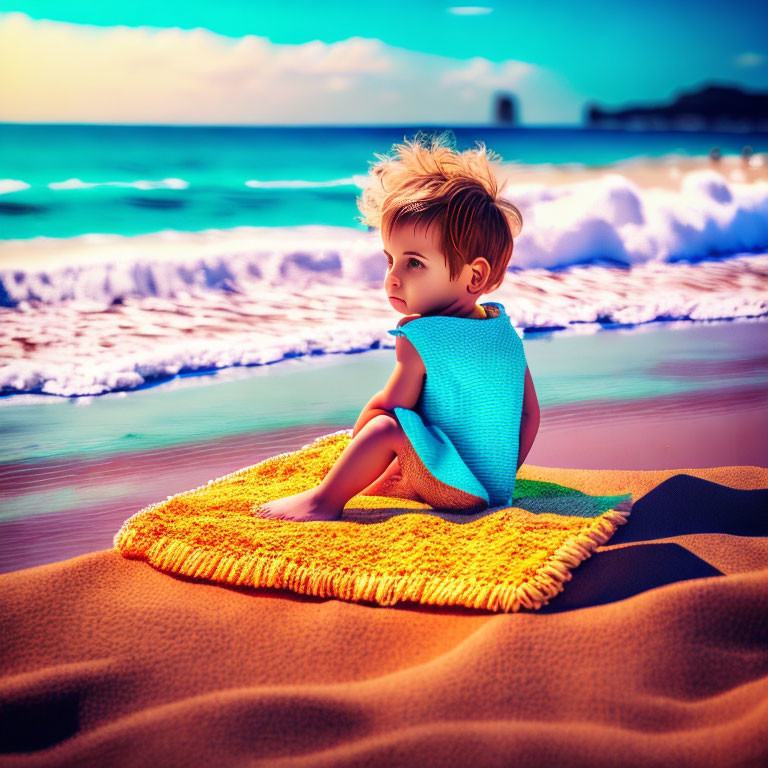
466,424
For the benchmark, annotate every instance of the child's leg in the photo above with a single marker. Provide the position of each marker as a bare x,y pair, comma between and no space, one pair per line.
391,473
393,484
365,459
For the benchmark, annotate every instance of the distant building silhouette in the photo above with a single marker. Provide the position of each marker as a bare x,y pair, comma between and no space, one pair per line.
505,109
713,107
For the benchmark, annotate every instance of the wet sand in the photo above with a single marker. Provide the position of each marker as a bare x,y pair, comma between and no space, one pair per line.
674,431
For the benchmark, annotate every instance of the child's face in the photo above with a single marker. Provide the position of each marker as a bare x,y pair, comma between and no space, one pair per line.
418,280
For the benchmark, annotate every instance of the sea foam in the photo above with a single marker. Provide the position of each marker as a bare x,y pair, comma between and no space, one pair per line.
606,221
100,313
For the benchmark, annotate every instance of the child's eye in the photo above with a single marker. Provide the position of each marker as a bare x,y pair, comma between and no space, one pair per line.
418,263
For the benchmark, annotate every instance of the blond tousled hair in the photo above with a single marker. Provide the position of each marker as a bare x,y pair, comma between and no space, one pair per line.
426,180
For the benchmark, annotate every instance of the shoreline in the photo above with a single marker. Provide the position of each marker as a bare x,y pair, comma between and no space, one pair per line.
37,397
671,432
118,348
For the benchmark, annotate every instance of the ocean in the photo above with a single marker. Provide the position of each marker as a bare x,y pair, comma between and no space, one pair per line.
67,180
203,240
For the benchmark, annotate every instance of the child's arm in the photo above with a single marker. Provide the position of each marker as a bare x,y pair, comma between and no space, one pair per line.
529,425
404,386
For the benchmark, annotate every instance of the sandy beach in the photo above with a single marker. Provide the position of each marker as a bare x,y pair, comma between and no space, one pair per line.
663,432
656,652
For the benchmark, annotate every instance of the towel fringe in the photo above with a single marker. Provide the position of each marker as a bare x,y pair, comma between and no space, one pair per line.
550,577
386,589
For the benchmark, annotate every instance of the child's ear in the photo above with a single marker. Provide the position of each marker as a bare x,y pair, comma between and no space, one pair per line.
481,273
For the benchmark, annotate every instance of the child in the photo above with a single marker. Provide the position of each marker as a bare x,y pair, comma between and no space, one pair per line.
458,416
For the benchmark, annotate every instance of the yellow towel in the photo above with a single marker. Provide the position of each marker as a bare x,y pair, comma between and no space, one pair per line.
383,549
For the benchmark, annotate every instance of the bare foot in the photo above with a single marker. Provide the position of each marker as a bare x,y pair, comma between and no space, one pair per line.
301,507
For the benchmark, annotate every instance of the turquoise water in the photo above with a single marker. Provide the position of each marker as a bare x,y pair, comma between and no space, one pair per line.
308,171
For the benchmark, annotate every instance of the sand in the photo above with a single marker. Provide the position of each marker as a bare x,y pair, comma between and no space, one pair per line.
655,654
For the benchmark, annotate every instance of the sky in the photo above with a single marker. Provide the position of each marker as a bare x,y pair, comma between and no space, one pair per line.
259,62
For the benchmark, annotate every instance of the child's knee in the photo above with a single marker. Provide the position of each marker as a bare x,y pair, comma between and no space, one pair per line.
387,426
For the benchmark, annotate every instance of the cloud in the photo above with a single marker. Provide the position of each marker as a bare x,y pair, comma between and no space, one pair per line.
749,59
60,72
470,10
